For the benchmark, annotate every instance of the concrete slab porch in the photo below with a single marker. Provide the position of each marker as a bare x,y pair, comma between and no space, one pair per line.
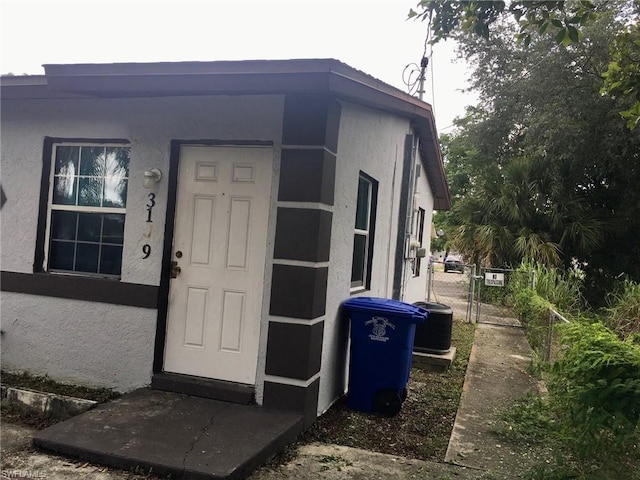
174,434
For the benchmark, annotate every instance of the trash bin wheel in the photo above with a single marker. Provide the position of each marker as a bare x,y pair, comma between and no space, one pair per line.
403,394
387,402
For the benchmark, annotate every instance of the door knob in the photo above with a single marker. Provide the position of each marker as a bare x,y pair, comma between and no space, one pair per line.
175,269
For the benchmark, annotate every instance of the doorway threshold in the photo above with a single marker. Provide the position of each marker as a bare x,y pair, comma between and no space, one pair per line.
204,387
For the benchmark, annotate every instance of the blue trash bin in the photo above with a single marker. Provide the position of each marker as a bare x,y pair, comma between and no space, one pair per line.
382,337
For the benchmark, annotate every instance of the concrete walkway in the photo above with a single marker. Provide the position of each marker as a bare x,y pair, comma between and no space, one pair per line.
497,376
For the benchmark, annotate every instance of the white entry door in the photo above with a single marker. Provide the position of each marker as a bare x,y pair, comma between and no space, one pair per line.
219,246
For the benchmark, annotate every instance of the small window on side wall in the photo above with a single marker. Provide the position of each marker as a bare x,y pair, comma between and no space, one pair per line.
86,209
363,238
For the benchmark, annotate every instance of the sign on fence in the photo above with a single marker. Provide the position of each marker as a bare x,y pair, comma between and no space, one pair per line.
492,279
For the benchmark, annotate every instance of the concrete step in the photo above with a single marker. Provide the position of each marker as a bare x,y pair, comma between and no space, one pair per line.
174,434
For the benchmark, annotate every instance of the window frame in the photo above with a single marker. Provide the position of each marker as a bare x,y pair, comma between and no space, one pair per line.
364,284
47,207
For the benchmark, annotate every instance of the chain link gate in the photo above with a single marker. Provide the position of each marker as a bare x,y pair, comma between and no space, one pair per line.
454,288
491,288
474,294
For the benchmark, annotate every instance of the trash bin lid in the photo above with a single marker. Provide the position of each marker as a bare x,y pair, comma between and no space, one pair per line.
387,306
434,307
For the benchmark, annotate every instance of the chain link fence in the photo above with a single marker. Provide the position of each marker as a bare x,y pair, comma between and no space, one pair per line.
452,287
552,346
543,334
475,295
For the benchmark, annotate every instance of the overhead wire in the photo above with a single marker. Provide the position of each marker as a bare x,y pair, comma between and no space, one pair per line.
414,78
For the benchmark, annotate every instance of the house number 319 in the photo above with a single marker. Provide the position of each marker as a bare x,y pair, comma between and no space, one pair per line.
146,248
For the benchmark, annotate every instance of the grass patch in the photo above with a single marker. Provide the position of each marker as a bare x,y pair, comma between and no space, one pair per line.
532,421
45,384
422,428
529,421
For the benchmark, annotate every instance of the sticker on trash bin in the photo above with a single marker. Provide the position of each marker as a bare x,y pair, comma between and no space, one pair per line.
379,329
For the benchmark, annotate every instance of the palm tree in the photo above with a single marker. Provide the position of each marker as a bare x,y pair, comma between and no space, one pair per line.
516,215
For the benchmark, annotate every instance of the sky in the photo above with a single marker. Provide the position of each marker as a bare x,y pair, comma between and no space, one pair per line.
374,36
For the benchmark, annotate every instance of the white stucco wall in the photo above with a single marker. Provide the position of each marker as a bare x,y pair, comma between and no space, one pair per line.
415,287
371,142
73,341
69,330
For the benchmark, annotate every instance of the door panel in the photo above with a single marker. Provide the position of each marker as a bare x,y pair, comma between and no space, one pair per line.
232,320
220,235
238,233
202,233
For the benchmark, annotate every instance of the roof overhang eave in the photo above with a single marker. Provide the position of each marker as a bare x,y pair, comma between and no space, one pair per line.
431,157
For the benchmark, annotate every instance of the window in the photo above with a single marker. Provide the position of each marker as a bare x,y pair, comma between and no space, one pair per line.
363,233
86,208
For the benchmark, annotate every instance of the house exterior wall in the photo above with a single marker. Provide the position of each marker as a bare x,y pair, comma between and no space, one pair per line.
320,147
75,341
86,342
373,143
415,287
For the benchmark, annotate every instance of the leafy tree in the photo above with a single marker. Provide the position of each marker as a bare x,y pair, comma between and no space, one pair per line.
544,167
622,77
563,20
560,17
458,178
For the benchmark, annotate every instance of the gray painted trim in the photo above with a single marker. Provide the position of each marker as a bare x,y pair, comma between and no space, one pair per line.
303,234
307,175
290,397
298,292
90,289
293,350
405,185
311,120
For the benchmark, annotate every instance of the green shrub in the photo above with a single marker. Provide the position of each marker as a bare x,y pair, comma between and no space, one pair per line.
533,421
593,411
623,312
528,420
492,295
561,289
533,311
596,388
